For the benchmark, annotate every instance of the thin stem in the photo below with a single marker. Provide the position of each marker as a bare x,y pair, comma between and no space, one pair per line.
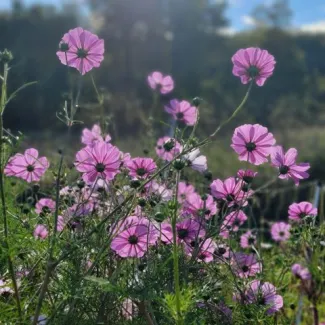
2,191
315,314
100,99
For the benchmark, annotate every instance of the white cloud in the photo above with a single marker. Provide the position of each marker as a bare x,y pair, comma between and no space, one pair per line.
248,20
316,27
226,31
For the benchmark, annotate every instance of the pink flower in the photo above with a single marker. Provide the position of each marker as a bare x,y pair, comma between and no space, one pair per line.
264,294
165,84
222,252
100,161
253,64
182,111
168,148
27,166
246,265
129,309
45,206
90,137
198,207
141,167
280,231
159,191
196,161
184,190
61,223
205,250
286,163
81,49
246,175
253,143
132,242
232,222
297,211
247,239
229,191
5,288
300,272
41,232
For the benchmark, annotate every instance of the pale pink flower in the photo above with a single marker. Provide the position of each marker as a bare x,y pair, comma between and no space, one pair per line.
245,265
165,84
280,231
297,211
129,309
141,167
205,250
253,64
196,161
100,161
90,137
184,190
81,49
232,222
287,166
247,239
246,175
300,272
40,232
168,148
61,223
28,166
253,143
45,206
182,111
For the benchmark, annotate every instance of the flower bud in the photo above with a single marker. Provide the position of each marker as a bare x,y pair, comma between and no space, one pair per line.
6,56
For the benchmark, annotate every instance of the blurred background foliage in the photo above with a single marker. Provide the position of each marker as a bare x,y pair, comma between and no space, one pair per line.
188,39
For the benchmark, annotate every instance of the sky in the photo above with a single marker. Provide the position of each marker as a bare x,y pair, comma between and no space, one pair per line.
308,16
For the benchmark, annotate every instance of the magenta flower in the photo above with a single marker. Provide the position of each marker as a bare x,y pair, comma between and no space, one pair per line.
198,207
168,148
286,163
297,211
246,175
253,64
300,272
253,143
28,166
165,84
196,161
184,190
229,191
222,252
132,242
247,239
232,222
159,191
182,111
81,49
264,294
101,161
45,206
280,231
41,232
205,250
90,137
245,265
141,167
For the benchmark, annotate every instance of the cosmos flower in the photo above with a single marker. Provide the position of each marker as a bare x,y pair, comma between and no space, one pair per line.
300,272
253,64
165,84
168,148
45,206
40,232
90,137
182,111
196,161
247,239
297,211
184,190
246,175
280,231
141,167
245,265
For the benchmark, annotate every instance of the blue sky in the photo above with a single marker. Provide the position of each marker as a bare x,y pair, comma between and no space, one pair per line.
308,15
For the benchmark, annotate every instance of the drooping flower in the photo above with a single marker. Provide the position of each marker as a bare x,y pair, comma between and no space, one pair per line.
245,265
253,64
280,231
100,161
45,206
253,143
229,191
184,190
141,167
27,166
81,49
232,222
199,207
196,161
90,137
182,111
297,211
165,84
247,239
287,166
264,294
300,272
168,148
246,175
40,232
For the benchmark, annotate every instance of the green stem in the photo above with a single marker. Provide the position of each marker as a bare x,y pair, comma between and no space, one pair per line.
100,99
2,191
179,319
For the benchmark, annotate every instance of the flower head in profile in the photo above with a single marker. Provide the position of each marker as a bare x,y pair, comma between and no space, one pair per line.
196,161
245,265
81,49
287,166
253,143
90,137
27,166
40,232
45,206
168,148
253,64
182,111
264,294
300,272
247,239
165,84
246,175
100,161
297,211
141,167
184,190
280,231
